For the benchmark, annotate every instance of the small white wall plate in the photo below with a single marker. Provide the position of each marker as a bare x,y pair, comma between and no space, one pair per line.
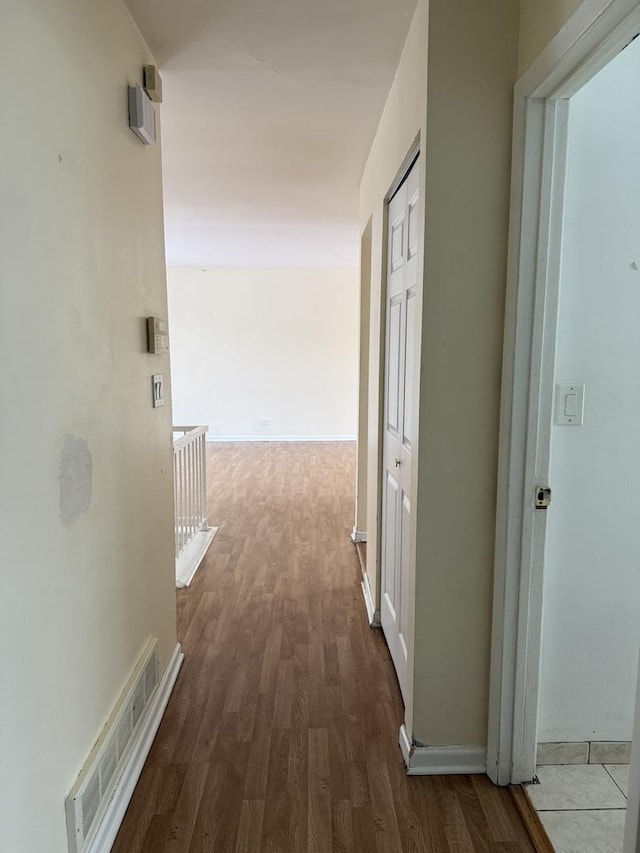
570,404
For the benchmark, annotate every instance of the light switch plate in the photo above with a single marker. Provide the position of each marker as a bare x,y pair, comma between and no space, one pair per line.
157,384
570,404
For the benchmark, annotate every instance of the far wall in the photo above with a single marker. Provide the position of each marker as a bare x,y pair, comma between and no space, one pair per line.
591,627
249,345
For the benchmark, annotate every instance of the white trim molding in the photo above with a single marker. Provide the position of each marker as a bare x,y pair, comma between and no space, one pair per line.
373,615
358,535
188,561
441,760
412,155
214,438
581,48
106,832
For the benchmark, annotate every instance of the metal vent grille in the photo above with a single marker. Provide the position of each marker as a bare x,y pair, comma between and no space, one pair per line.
94,787
137,706
89,803
107,767
150,676
123,732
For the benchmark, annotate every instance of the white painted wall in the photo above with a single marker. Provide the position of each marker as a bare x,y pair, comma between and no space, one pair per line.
87,573
278,344
591,627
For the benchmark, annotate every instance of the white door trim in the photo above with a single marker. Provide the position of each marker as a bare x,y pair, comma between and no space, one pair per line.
412,155
593,35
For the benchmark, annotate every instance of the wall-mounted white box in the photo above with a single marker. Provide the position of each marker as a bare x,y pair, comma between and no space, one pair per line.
142,115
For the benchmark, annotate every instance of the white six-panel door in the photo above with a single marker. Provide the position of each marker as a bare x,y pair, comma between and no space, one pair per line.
400,357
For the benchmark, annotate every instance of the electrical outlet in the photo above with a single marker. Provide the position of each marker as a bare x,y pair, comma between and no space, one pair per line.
264,421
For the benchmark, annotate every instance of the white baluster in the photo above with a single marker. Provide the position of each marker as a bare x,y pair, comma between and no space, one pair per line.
189,485
203,482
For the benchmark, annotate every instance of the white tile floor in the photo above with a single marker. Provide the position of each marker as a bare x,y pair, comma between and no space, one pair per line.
582,806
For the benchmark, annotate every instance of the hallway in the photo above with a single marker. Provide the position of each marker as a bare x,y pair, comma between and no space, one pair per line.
281,734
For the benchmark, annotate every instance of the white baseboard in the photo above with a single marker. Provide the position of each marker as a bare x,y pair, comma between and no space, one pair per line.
106,833
441,760
372,614
214,438
189,560
358,535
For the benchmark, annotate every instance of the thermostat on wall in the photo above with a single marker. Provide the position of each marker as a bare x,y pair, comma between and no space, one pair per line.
157,335
142,115
152,83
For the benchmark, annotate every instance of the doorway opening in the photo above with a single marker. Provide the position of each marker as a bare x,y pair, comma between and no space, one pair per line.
591,587
567,600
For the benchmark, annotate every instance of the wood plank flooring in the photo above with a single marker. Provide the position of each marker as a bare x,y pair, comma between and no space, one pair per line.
281,734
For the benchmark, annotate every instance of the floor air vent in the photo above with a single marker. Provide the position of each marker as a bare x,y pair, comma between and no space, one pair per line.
95,785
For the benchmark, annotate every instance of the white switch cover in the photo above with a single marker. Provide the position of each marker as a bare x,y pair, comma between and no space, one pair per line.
158,390
570,404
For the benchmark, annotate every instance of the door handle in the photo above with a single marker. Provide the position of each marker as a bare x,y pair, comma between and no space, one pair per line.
398,463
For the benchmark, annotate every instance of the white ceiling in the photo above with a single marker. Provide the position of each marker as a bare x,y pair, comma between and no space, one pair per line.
270,107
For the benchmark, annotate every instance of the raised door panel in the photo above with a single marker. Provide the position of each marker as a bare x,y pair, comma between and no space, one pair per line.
397,243
390,568
403,591
409,371
412,219
394,365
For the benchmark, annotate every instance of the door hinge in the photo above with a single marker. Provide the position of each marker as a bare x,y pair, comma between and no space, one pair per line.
543,497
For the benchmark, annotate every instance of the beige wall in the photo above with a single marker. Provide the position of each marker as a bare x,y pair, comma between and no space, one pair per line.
472,70
540,20
87,545
265,344
474,57
464,179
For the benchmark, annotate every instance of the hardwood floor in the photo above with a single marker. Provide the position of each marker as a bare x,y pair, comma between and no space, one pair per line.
281,734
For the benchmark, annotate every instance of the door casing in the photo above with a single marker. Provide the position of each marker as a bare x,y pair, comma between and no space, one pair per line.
597,31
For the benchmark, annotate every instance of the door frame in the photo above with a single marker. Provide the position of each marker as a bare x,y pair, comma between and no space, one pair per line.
373,606
409,164
595,33
359,533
